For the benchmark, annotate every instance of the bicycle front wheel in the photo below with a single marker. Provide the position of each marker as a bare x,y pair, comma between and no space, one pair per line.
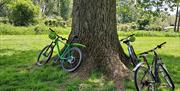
166,76
143,79
73,58
45,55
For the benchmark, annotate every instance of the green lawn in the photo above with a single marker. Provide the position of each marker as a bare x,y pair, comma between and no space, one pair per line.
18,54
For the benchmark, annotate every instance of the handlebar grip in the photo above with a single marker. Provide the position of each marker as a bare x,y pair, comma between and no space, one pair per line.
163,43
131,35
159,46
127,37
51,30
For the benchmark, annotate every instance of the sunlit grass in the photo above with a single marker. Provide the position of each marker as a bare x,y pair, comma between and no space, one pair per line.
18,54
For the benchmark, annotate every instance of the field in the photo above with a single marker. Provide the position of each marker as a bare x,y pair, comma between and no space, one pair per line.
18,54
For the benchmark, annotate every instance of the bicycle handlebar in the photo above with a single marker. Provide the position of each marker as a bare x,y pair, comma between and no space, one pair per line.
57,34
159,46
152,50
51,30
127,37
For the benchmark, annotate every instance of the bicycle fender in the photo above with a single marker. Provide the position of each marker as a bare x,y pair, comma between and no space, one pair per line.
139,64
78,45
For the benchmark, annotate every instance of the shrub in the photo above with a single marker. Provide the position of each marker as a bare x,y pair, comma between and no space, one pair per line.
123,27
142,24
153,27
23,12
69,22
12,30
41,28
4,20
133,25
55,22
8,29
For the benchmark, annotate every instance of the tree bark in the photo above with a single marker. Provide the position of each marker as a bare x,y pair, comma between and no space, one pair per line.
175,25
94,21
178,22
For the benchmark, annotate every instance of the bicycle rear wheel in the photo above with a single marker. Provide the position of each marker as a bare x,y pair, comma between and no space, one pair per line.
143,79
73,59
45,55
166,76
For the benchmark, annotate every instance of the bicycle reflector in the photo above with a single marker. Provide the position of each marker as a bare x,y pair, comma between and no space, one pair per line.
132,38
52,35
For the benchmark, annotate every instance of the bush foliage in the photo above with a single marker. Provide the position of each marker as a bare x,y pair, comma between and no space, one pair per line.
23,12
8,29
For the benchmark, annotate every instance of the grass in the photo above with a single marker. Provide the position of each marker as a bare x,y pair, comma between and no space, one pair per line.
8,29
18,54
141,33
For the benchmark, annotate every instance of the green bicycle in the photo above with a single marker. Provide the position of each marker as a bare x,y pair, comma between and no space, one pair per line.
70,56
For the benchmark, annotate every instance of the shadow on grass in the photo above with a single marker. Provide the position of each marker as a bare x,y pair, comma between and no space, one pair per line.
172,64
19,72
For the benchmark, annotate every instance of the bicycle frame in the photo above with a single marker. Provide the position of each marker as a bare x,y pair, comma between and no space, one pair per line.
67,46
156,62
132,55
61,53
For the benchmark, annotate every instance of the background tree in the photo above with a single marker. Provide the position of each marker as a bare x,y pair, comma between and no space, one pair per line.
126,12
4,8
176,19
52,8
65,9
48,7
95,24
178,22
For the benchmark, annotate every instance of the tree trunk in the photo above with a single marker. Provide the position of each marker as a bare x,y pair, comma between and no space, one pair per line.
94,21
178,22
175,25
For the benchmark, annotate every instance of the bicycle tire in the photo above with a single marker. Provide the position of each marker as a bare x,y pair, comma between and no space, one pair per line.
145,81
74,66
166,76
44,61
